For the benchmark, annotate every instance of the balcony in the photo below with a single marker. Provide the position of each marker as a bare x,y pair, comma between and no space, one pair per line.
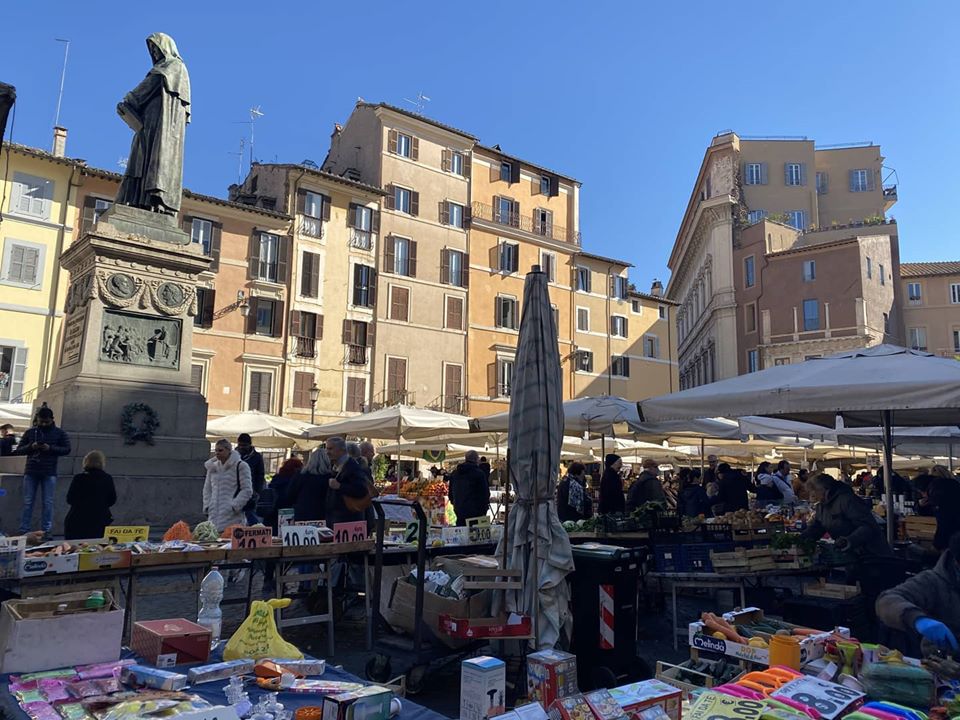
453,404
390,397
889,196
311,227
305,347
361,239
526,224
356,355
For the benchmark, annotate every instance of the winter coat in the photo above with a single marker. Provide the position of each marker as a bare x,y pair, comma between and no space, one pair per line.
944,495
257,473
469,492
43,463
842,514
353,483
932,593
222,504
565,511
693,501
611,493
280,485
91,495
773,488
7,444
307,495
732,495
646,488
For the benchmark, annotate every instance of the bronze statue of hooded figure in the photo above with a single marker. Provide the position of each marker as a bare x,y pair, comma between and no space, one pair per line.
157,111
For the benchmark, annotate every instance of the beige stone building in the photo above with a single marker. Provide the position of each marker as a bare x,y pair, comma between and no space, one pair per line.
740,182
332,286
424,167
930,292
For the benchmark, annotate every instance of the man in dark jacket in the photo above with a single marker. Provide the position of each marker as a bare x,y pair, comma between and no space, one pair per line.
929,602
940,497
350,480
43,444
250,455
469,489
732,490
611,486
8,441
647,487
847,519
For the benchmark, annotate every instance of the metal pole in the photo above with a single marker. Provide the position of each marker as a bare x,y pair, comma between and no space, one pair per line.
506,510
950,456
887,420
701,461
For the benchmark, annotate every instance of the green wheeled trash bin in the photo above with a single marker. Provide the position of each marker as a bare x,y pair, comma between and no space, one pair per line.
603,592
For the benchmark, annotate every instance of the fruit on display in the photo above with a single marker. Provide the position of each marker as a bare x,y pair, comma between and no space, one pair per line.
423,489
178,531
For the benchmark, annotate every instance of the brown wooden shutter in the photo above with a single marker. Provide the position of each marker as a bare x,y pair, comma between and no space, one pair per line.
370,333
390,200
209,307
90,207
315,276
196,377
414,148
296,323
216,233
445,266
357,285
399,304
254,402
283,259
301,389
466,270
352,215
396,377
301,201
495,171
454,313
356,394
347,332
515,213
253,256
373,287
514,172
413,258
554,186
626,327
327,202
389,254
466,164
252,317
445,160
453,387
414,203
375,221
319,327
444,212
278,311
392,141
305,262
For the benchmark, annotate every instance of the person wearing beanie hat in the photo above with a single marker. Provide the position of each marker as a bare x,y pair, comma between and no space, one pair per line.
647,486
611,486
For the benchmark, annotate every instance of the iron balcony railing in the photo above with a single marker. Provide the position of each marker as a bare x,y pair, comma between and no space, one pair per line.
305,347
361,239
311,226
527,223
356,354
449,404
388,398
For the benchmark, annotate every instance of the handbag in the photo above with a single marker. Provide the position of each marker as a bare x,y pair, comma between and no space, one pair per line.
360,504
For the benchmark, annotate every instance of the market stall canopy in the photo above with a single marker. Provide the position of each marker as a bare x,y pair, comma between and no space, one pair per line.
396,421
682,431
20,415
589,414
858,386
268,431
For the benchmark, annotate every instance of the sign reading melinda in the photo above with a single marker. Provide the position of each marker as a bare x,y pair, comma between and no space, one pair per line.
140,340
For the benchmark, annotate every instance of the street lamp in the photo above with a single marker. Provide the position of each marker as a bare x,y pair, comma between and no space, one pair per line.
242,304
314,395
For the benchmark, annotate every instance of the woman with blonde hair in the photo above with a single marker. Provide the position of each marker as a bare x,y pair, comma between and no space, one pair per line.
91,495
227,487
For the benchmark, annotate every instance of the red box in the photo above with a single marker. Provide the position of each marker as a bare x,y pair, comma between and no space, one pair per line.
604,706
551,674
473,628
176,639
574,707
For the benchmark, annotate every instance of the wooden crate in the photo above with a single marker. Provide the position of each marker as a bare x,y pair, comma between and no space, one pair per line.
831,590
919,527
670,674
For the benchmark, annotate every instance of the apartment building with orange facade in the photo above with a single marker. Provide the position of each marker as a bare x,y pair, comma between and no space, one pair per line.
931,306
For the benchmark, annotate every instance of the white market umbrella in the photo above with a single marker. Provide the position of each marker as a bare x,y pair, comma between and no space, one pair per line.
882,386
535,542
589,414
269,431
20,415
394,422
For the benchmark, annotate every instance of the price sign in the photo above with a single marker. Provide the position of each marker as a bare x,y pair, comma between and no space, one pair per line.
284,517
311,523
221,712
126,533
717,706
479,528
350,531
299,535
251,538
827,698
455,535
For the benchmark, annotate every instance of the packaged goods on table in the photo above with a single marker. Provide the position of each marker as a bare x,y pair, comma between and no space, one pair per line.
482,688
551,674
639,696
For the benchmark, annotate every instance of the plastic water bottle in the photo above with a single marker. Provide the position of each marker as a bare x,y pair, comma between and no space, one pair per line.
211,593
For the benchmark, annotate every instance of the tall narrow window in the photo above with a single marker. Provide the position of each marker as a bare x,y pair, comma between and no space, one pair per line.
811,315
955,293
749,272
809,270
753,361
918,338
201,232
914,293
261,389
583,279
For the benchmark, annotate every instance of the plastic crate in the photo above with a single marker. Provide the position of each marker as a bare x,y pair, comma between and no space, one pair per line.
666,519
696,558
716,532
666,558
673,536
618,523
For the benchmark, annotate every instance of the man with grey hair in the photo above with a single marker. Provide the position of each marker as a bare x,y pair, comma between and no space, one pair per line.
369,452
469,489
349,480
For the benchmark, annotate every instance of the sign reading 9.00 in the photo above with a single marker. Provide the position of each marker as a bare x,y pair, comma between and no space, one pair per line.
827,698
717,706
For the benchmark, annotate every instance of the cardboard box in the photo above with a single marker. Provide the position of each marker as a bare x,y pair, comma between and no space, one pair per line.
604,706
551,674
50,565
154,678
105,560
219,671
11,556
403,603
482,688
170,642
498,627
530,711
574,707
635,697
35,634
370,703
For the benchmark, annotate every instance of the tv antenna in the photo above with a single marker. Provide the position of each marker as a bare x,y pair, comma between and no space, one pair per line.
122,164
239,162
63,76
255,113
419,104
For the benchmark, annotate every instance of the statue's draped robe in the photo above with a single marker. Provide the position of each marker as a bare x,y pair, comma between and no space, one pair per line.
158,110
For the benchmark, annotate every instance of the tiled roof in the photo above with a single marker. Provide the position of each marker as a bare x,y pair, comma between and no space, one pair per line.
501,153
421,118
923,269
326,175
655,298
601,258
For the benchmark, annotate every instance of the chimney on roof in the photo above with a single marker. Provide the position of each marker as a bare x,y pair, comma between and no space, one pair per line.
656,288
59,141
337,127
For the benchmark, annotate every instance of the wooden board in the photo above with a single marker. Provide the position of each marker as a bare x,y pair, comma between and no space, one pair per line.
326,550
178,558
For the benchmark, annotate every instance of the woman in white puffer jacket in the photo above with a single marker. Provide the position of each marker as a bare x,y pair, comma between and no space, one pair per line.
227,488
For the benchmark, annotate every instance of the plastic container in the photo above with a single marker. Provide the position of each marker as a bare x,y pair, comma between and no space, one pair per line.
785,650
210,615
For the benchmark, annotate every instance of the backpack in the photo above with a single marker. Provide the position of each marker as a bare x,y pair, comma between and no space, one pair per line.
252,502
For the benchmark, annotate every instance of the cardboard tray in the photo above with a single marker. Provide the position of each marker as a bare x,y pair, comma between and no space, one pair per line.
478,628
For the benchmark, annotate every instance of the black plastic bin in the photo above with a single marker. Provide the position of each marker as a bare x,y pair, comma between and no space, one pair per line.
606,649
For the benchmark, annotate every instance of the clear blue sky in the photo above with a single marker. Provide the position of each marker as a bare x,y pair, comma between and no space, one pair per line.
623,96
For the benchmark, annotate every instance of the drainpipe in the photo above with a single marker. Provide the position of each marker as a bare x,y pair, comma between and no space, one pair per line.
609,329
291,263
670,350
69,201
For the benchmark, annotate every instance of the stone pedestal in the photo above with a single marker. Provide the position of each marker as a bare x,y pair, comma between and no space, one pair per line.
126,341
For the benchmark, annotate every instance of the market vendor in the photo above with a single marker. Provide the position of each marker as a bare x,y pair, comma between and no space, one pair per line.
940,497
469,489
929,602
847,519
